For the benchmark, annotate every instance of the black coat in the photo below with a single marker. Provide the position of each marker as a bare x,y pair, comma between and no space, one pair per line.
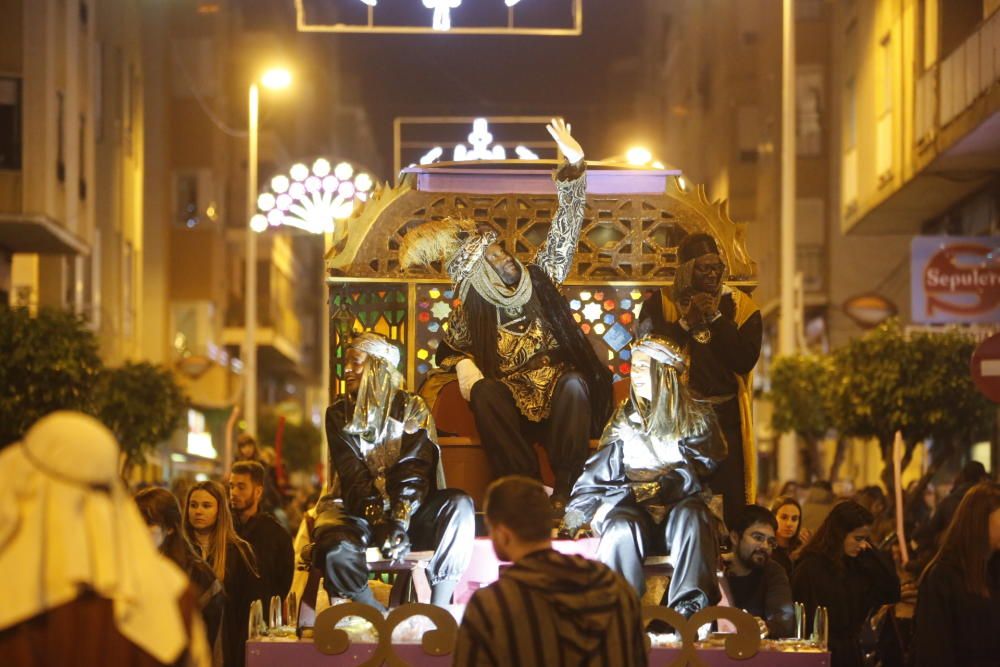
272,545
953,627
410,479
243,586
850,591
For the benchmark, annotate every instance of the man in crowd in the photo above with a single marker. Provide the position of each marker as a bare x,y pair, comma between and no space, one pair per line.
720,328
522,362
247,449
644,490
271,543
389,488
758,584
547,608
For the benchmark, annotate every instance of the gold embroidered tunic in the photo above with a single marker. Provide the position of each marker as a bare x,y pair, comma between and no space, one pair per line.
526,369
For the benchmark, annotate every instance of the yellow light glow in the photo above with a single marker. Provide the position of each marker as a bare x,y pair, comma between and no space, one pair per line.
276,78
638,156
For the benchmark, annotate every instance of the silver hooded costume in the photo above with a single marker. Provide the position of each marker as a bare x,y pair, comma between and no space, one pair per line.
388,481
644,491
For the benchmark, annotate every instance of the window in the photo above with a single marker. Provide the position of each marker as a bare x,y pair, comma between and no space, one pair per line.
883,130
82,138
886,71
748,132
10,123
193,202
930,26
60,136
850,115
849,172
187,199
128,291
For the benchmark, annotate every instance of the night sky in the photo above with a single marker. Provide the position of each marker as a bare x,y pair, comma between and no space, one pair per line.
591,79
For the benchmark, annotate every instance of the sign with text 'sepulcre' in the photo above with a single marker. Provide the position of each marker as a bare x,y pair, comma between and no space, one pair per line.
955,279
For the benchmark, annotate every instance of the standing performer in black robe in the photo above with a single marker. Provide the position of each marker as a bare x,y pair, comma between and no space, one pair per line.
388,492
644,490
522,362
720,328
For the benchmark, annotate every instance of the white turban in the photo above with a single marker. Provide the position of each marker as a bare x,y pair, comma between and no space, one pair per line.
67,524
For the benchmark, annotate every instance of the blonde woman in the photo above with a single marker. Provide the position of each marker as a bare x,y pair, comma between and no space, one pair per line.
208,524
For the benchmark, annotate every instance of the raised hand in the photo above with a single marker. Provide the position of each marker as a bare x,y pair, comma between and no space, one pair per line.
570,147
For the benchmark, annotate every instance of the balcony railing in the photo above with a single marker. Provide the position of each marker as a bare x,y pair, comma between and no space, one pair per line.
968,71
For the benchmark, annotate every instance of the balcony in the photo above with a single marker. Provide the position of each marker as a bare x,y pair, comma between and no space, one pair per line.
955,142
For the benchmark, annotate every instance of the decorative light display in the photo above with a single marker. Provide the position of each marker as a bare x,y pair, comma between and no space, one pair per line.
442,12
480,139
568,15
311,199
441,19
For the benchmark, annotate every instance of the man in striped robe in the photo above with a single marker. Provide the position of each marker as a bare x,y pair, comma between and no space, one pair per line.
547,609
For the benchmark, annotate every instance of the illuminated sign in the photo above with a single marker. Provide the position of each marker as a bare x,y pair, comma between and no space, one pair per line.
199,441
955,279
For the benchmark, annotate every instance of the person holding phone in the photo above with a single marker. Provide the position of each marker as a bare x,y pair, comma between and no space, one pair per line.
840,569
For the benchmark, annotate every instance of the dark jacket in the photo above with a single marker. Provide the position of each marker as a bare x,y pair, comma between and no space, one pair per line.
272,545
243,586
410,479
767,594
552,610
953,627
605,480
850,591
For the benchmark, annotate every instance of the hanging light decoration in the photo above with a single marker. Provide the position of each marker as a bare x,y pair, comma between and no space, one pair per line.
311,198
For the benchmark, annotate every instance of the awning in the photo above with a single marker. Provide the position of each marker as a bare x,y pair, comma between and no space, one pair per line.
39,235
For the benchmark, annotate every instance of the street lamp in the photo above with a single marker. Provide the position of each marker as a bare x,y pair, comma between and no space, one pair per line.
313,199
273,79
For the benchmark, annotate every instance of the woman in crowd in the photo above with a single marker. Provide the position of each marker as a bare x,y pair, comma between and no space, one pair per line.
788,512
958,604
208,524
163,516
838,569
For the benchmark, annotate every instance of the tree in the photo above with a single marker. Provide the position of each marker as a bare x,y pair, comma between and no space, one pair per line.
142,405
300,443
918,385
48,362
800,394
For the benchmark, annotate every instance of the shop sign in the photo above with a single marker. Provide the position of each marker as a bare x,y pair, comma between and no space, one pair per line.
955,279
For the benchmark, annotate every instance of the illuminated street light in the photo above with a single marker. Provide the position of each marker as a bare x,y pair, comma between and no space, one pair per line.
271,79
276,78
638,156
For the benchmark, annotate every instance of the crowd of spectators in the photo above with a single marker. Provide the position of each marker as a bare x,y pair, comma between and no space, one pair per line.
939,604
932,598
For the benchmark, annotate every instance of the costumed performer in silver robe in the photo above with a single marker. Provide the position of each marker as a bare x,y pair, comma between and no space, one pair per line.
389,489
643,491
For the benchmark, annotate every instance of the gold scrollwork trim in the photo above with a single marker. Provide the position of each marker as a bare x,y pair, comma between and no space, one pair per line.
741,645
331,641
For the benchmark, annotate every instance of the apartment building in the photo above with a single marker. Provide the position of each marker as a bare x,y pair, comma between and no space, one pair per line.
71,189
